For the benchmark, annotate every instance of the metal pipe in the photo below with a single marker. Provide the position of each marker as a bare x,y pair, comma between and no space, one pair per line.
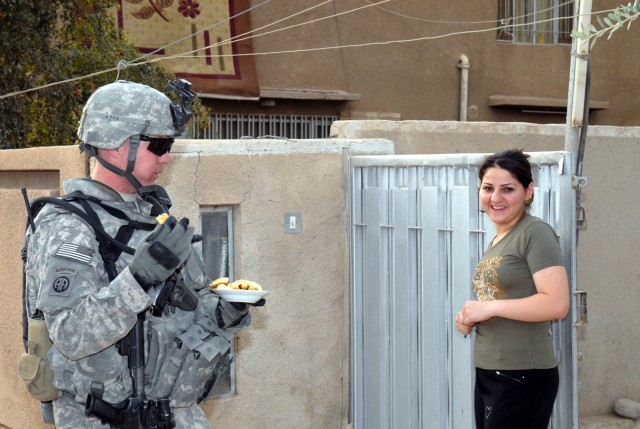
463,65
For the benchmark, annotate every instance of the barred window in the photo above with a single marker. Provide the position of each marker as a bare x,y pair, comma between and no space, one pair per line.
236,126
536,21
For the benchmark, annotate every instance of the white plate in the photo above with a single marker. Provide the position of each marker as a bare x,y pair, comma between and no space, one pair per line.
239,295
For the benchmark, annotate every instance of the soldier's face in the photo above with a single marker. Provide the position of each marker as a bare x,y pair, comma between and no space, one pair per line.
149,165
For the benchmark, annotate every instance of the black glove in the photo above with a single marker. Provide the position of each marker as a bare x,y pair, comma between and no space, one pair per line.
242,306
161,252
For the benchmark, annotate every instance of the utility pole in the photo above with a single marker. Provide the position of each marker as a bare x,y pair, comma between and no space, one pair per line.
577,81
572,143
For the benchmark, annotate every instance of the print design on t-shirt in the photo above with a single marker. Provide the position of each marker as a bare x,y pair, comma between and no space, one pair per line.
485,280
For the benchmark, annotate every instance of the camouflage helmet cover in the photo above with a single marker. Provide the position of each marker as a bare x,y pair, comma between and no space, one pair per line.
119,110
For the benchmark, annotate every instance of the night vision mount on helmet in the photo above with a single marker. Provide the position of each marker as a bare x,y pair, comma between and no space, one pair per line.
181,112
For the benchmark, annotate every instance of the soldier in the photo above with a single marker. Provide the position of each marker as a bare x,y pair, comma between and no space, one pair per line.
94,295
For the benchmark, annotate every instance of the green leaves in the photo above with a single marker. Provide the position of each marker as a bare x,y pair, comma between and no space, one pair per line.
614,20
49,41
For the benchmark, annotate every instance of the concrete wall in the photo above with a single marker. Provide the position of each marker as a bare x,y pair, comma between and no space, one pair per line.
293,360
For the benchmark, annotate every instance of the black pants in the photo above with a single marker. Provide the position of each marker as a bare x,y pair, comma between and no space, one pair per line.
520,399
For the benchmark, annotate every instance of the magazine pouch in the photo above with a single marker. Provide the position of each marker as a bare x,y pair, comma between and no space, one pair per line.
201,359
33,366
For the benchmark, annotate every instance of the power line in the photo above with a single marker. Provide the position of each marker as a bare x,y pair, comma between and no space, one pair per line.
49,85
124,64
362,45
236,38
467,22
202,30
504,25
240,37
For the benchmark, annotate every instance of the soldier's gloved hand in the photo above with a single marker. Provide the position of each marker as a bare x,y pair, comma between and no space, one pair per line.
161,252
241,306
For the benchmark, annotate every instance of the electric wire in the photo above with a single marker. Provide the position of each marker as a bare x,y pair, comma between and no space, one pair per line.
505,24
202,30
188,54
240,37
402,15
362,45
124,64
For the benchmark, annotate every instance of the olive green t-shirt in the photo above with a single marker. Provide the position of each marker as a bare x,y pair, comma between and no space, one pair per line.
505,272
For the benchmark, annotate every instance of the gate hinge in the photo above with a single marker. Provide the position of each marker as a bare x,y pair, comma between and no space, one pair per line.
581,308
580,182
581,218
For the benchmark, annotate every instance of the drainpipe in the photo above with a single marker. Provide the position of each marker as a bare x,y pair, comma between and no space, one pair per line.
463,65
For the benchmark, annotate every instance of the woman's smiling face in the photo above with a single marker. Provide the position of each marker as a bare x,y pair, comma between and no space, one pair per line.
503,197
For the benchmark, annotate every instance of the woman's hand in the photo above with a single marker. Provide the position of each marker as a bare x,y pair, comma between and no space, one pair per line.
550,302
462,325
473,312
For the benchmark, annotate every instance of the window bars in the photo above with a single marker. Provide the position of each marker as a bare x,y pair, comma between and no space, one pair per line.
236,126
535,21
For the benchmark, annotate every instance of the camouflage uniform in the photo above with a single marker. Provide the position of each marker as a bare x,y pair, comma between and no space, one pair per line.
87,315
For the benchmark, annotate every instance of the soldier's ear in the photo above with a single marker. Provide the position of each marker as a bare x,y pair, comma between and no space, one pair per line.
117,153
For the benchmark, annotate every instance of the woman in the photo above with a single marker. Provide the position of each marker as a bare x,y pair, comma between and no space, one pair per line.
521,285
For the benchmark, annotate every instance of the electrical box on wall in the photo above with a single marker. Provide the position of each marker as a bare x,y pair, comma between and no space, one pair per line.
292,223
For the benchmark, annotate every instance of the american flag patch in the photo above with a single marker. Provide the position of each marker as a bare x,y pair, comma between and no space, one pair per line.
75,252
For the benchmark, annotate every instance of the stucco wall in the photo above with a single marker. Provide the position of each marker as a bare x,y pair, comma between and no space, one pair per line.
293,360
420,79
41,171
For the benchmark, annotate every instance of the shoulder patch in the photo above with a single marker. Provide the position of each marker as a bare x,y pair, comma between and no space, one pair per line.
62,282
75,252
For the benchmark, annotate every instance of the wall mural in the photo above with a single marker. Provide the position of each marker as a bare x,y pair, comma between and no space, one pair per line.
201,32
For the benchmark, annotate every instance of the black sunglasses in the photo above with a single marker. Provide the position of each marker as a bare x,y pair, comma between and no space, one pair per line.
158,145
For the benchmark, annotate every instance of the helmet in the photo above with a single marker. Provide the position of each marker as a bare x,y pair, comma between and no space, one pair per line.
119,110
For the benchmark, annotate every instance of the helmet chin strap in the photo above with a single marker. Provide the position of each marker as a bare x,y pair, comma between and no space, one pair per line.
134,144
154,194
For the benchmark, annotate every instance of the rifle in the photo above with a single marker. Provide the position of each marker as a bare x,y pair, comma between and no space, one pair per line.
137,411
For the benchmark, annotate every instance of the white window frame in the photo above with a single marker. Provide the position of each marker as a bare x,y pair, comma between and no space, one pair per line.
540,22
226,386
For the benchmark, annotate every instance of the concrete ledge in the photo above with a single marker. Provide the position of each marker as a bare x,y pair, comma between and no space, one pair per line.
609,421
251,146
539,102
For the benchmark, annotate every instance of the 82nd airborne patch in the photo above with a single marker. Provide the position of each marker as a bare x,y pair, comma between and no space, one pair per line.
61,285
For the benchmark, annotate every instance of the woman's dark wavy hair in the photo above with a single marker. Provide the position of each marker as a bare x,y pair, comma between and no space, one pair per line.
514,161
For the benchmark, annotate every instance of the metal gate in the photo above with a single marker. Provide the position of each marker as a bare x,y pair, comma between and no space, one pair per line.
417,234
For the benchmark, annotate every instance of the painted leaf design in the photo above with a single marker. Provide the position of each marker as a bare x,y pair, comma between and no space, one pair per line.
134,1
164,3
145,13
